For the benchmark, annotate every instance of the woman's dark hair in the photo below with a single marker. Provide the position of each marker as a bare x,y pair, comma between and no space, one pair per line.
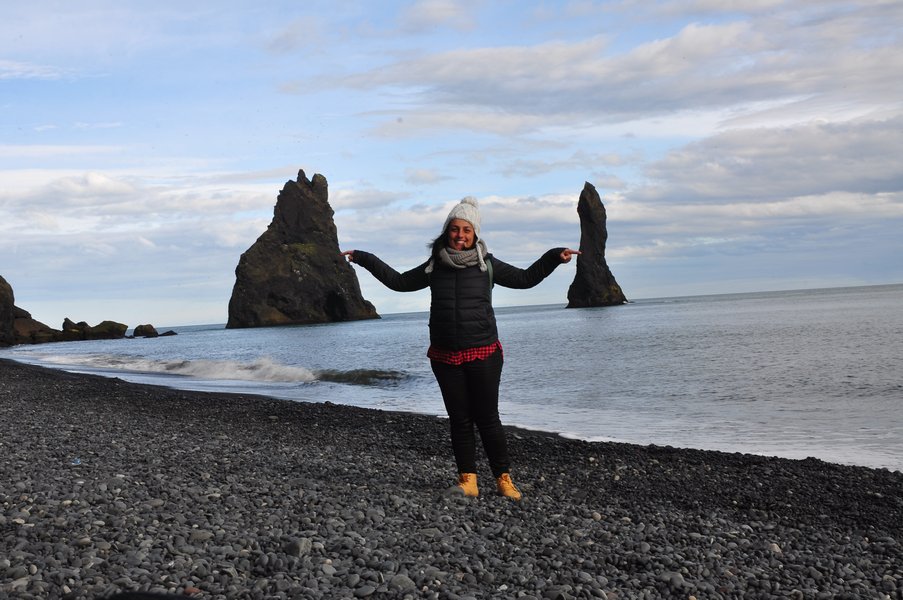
436,245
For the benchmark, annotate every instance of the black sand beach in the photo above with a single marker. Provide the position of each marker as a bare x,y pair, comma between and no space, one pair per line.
107,487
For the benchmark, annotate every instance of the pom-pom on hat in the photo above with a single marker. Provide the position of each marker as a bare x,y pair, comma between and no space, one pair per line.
467,209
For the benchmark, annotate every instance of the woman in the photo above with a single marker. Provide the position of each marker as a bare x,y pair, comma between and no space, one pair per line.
465,352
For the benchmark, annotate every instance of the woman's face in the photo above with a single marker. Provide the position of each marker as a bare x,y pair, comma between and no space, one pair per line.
460,234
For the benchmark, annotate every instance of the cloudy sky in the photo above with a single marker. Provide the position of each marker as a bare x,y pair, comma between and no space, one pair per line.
738,145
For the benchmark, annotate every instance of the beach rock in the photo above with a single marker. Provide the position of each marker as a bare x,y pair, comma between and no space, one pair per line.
147,331
294,273
105,330
594,284
73,331
32,331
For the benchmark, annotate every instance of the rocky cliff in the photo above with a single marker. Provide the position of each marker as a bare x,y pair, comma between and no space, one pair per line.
18,327
7,314
593,285
294,273
16,324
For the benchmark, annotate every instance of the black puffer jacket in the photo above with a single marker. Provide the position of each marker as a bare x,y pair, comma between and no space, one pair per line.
461,314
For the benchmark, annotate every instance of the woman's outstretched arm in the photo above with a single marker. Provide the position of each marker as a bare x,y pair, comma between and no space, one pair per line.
513,277
409,281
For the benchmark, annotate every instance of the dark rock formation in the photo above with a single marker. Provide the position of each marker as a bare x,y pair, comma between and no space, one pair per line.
31,331
16,324
105,330
7,314
146,330
72,330
294,273
593,285
18,327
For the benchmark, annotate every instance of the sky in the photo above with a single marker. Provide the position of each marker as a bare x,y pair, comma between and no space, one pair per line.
738,145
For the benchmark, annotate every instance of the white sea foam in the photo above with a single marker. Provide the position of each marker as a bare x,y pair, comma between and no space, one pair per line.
261,369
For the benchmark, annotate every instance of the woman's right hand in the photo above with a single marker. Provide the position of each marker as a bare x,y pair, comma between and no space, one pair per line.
349,254
567,253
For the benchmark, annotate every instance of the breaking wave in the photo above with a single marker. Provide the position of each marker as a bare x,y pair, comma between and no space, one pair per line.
261,369
362,376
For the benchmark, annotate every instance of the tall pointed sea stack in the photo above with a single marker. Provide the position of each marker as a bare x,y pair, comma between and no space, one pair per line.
593,285
294,273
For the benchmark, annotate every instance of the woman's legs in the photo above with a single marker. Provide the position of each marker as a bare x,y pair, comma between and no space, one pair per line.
484,377
453,385
471,395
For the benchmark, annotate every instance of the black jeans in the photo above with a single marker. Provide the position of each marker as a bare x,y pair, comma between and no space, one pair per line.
471,395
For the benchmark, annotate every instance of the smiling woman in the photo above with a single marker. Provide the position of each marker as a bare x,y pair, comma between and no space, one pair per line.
465,351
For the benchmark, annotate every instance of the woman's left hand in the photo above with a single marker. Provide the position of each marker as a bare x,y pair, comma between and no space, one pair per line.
567,253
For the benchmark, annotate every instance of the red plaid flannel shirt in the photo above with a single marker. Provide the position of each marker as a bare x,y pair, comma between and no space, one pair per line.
458,357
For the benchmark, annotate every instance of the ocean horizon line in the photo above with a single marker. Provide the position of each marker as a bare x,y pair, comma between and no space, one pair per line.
564,304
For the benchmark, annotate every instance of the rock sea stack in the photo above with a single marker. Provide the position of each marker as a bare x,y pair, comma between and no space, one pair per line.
294,274
594,284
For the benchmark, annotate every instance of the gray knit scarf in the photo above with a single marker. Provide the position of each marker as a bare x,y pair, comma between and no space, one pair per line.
461,259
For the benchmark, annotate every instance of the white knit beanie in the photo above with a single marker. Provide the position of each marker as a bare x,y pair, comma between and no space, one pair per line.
467,209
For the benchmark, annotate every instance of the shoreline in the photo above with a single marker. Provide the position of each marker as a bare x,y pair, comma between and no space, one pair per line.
114,486
821,453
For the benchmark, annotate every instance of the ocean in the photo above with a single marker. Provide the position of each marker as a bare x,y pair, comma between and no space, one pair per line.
793,373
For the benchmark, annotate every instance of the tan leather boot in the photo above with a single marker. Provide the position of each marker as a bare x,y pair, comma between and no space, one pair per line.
468,483
507,488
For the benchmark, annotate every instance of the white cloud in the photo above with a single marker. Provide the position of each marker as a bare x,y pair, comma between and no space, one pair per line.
96,187
108,125
423,176
11,69
449,118
426,15
762,164
579,160
775,57
101,203
303,32
361,197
